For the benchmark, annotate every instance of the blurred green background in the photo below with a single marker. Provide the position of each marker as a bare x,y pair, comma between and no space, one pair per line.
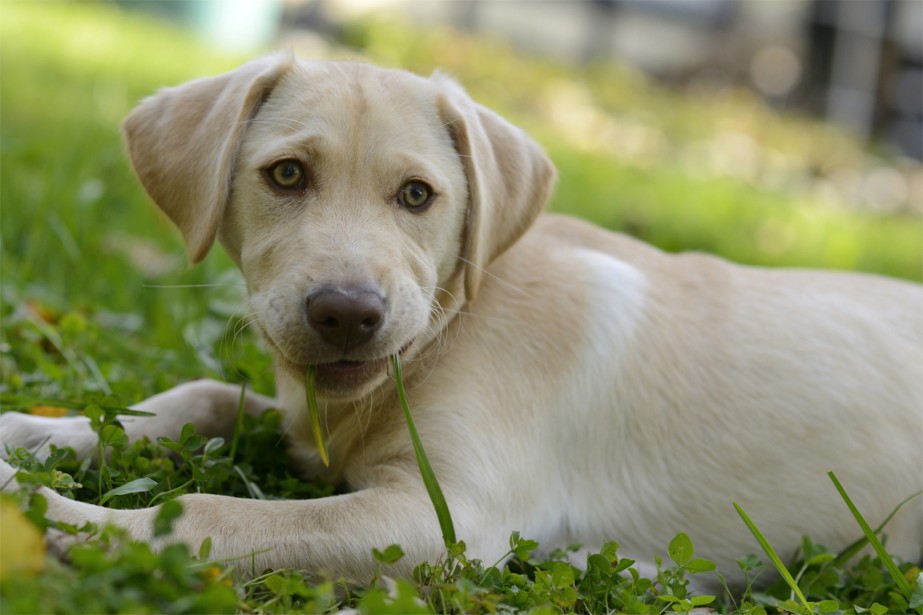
685,170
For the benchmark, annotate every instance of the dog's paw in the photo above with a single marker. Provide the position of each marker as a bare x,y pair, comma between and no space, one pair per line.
38,433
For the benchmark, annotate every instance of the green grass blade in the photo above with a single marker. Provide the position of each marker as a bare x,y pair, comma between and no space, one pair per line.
847,554
426,471
311,398
883,555
139,485
239,421
767,548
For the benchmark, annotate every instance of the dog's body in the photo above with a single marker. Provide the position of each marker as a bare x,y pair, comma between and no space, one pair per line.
569,383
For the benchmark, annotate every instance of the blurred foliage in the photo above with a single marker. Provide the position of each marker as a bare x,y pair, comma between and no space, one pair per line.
80,240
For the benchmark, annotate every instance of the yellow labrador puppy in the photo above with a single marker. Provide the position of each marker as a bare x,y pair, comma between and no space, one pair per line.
570,383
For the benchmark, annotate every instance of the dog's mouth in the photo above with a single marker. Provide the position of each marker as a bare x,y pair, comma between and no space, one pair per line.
348,376
345,379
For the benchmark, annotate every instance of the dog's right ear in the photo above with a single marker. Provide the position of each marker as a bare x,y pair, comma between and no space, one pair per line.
183,143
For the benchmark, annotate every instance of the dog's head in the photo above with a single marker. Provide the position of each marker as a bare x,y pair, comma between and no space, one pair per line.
359,203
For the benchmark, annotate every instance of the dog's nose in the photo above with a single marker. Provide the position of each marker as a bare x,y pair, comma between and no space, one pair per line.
345,317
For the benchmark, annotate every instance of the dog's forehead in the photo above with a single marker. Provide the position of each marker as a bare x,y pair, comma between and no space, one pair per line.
337,97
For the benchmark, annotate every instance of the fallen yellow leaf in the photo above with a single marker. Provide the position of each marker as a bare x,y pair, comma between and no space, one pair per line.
52,411
22,547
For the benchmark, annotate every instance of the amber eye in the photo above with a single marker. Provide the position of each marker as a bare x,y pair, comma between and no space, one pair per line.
286,175
415,194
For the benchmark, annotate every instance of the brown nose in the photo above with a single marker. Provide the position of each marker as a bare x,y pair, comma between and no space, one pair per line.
345,317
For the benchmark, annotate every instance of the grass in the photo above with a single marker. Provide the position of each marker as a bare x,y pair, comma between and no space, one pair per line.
426,471
311,399
99,310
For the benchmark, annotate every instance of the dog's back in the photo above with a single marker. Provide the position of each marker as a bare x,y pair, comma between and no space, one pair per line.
681,383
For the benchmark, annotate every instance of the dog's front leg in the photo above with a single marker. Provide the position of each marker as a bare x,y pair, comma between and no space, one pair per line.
327,536
210,405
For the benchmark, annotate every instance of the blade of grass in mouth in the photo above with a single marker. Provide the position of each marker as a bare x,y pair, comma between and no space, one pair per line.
426,470
311,398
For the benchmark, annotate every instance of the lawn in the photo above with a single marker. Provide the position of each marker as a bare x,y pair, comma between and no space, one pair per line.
99,308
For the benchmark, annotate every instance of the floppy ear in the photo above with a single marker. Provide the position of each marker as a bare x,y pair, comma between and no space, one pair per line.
183,143
509,179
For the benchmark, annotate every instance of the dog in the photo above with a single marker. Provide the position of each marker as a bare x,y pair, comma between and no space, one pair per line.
569,383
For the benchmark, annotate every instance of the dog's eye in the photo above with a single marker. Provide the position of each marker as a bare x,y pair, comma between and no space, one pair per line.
415,195
286,175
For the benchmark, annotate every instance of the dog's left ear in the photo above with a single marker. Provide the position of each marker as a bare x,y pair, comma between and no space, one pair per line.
509,178
183,143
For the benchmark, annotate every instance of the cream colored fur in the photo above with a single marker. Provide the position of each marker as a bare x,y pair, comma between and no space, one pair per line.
570,383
